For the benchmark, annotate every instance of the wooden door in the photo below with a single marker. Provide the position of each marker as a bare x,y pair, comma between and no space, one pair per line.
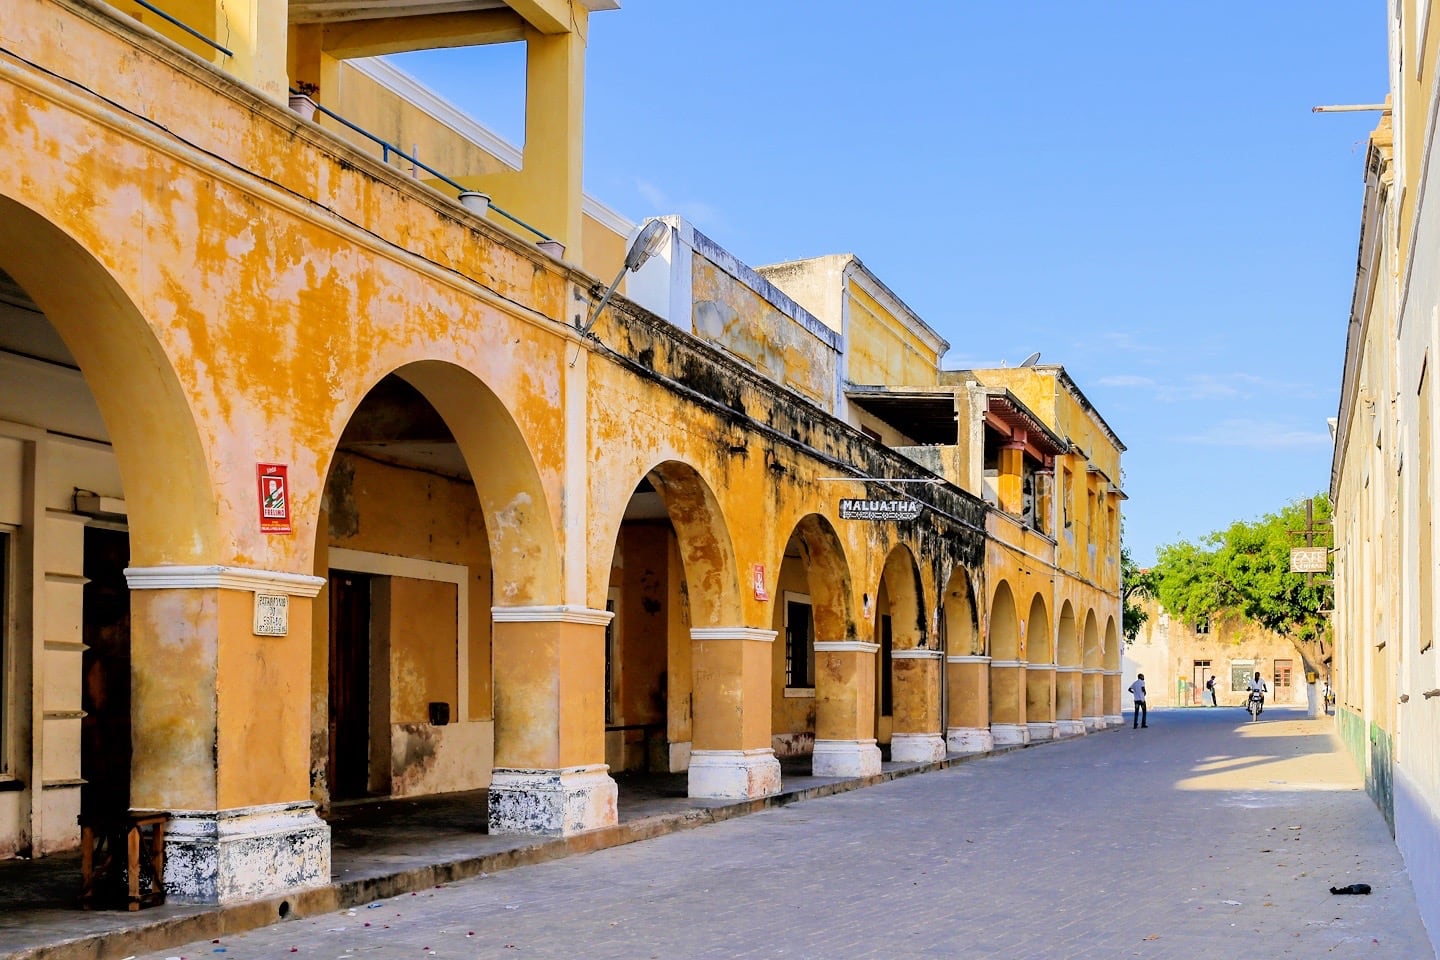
105,695
349,762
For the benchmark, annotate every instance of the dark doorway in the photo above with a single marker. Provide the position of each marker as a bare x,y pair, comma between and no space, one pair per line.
887,646
349,767
105,698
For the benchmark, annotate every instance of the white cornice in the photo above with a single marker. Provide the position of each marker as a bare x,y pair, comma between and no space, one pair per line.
1008,663
916,653
176,577
1069,669
560,613
732,633
967,658
845,646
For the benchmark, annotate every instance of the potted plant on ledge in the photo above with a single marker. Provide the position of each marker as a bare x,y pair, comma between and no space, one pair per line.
302,98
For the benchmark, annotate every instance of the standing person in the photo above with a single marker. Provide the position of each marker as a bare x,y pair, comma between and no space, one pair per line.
1210,686
1137,690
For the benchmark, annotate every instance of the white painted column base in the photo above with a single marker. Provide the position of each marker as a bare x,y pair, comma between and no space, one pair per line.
1093,723
916,747
1070,728
969,740
734,774
1041,731
845,758
223,856
552,802
1009,734
1113,720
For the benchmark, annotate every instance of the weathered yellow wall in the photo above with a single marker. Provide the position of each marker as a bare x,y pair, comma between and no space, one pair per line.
423,666
734,318
882,349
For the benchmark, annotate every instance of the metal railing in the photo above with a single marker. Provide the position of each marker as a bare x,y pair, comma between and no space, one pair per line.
183,26
387,148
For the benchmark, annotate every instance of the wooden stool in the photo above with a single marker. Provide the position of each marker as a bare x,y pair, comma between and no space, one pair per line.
135,877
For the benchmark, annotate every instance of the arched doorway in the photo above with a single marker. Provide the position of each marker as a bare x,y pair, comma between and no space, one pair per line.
1093,700
1068,677
1112,703
967,668
822,687
435,662
913,677
1039,672
682,688
1007,670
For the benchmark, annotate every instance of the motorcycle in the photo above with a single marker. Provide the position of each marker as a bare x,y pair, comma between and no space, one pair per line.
1256,704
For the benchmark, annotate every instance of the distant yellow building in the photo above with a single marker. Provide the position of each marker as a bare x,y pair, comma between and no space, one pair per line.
323,476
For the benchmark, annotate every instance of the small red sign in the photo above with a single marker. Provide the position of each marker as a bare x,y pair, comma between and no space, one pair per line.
758,579
274,489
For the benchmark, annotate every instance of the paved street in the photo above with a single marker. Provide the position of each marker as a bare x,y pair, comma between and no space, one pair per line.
1202,836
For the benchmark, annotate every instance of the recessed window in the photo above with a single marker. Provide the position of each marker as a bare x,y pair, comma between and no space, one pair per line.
799,641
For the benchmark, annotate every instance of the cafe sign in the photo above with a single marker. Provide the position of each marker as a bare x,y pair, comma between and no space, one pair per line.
880,509
1309,559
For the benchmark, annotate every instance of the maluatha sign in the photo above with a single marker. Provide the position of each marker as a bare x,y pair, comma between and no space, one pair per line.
880,509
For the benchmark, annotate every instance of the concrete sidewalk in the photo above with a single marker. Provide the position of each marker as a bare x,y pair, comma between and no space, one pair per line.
379,849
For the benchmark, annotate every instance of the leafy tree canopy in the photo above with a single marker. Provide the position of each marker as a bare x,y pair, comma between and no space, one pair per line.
1135,585
1245,570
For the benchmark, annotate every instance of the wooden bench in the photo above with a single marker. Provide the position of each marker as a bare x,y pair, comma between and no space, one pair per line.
122,860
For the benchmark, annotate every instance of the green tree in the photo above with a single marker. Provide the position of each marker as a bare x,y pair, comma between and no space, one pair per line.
1244,570
1135,585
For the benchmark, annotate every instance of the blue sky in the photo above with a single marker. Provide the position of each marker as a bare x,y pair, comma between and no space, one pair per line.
1138,190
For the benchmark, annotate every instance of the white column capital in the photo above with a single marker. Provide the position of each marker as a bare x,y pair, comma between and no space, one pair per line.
732,633
551,613
967,658
1008,663
219,577
845,646
917,653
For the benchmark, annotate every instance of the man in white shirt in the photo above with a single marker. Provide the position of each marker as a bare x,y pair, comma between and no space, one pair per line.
1257,685
1142,715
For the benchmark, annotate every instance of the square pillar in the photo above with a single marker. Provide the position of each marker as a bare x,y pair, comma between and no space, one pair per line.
550,775
1111,698
1093,699
1040,701
220,716
732,758
967,729
1068,697
845,709
916,680
1007,702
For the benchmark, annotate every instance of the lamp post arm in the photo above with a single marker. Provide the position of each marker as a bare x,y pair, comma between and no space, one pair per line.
595,311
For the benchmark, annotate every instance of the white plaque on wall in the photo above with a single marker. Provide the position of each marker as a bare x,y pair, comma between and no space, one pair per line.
272,615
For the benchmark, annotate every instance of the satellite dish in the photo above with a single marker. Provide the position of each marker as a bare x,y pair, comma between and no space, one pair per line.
1031,360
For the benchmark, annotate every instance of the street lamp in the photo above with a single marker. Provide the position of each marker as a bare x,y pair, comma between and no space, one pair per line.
646,245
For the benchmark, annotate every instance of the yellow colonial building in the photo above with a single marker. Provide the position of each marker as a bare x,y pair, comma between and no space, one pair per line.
329,470
1383,482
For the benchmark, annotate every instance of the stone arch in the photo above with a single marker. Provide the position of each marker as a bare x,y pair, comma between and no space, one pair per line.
1112,645
1094,652
961,617
706,548
828,578
1067,652
900,578
1004,634
1039,644
169,494
518,521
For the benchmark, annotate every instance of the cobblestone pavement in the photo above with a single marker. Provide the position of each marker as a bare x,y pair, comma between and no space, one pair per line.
1205,835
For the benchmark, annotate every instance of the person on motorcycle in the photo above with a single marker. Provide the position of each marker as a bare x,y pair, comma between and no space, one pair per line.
1258,689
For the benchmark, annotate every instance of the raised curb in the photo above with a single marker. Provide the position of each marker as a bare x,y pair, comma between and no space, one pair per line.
219,921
